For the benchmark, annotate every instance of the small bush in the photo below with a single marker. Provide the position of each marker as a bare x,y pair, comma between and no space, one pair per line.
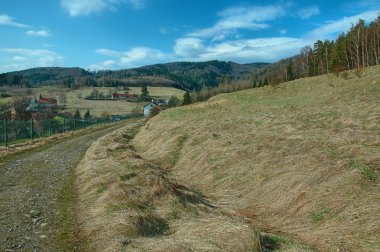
338,69
173,102
5,95
269,242
155,111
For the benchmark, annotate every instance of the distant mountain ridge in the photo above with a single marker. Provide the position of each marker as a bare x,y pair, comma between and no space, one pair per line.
183,75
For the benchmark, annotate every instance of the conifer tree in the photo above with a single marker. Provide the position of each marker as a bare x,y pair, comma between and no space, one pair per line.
186,99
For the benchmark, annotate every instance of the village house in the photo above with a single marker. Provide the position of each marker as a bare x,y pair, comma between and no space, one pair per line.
149,107
42,104
117,96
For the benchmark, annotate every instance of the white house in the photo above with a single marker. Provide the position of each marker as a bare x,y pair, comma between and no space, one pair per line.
149,107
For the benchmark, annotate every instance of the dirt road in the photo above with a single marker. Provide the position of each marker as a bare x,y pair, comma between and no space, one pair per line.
30,188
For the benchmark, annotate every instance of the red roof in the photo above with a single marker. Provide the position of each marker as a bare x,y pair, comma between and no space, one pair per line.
122,95
47,100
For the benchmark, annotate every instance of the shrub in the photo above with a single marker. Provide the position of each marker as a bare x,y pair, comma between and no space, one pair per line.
270,242
155,111
5,95
173,101
338,69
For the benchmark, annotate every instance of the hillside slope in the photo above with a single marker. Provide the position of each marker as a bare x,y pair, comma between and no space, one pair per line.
184,75
299,160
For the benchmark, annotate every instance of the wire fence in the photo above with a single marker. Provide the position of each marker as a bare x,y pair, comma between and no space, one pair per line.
18,131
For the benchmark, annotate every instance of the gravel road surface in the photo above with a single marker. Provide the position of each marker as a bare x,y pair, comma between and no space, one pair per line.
30,186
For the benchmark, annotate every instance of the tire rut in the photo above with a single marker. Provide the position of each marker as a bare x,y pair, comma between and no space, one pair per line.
30,186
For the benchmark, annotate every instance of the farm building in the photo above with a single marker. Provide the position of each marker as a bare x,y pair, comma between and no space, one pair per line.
149,107
42,104
117,96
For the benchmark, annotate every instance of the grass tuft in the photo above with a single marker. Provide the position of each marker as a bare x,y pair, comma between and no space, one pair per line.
150,225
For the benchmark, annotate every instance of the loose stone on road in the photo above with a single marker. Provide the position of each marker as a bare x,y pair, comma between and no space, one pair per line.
30,186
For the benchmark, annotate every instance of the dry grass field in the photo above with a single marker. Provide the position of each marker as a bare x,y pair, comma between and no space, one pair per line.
75,98
299,161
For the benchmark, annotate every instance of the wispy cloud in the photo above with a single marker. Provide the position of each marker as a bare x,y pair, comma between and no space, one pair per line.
332,28
87,7
8,20
135,57
21,58
243,51
234,19
39,33
308,12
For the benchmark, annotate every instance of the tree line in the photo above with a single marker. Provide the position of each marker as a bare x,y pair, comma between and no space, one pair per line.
358,48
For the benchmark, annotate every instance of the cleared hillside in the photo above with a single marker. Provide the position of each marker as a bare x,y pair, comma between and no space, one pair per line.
300,160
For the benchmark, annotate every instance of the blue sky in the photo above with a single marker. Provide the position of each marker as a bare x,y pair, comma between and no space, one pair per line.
117,34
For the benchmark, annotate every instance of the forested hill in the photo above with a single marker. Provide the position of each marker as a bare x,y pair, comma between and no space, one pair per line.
184,75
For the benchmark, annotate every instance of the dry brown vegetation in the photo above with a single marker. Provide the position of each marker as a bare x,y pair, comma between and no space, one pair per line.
129,203
299,160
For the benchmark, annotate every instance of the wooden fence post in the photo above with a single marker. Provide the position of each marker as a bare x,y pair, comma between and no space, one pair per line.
31,128
5,132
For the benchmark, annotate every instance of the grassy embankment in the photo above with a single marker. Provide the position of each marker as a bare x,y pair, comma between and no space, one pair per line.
300,160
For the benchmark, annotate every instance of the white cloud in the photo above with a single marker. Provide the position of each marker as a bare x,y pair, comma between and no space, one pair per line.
8,20
109,53
308,12
196,49
283,31
87,7
135,57
332,28
233,19
39,33
20,58
188,47
242,51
